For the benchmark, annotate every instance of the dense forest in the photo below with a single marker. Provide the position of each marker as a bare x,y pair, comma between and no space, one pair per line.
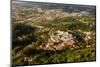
52,34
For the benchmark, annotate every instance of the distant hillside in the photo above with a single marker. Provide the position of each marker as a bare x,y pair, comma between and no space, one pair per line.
65,7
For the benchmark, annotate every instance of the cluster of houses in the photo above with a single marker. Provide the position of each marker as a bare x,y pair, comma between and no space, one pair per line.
61,36
59,40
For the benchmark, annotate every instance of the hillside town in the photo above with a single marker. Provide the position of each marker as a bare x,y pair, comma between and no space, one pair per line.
59,40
